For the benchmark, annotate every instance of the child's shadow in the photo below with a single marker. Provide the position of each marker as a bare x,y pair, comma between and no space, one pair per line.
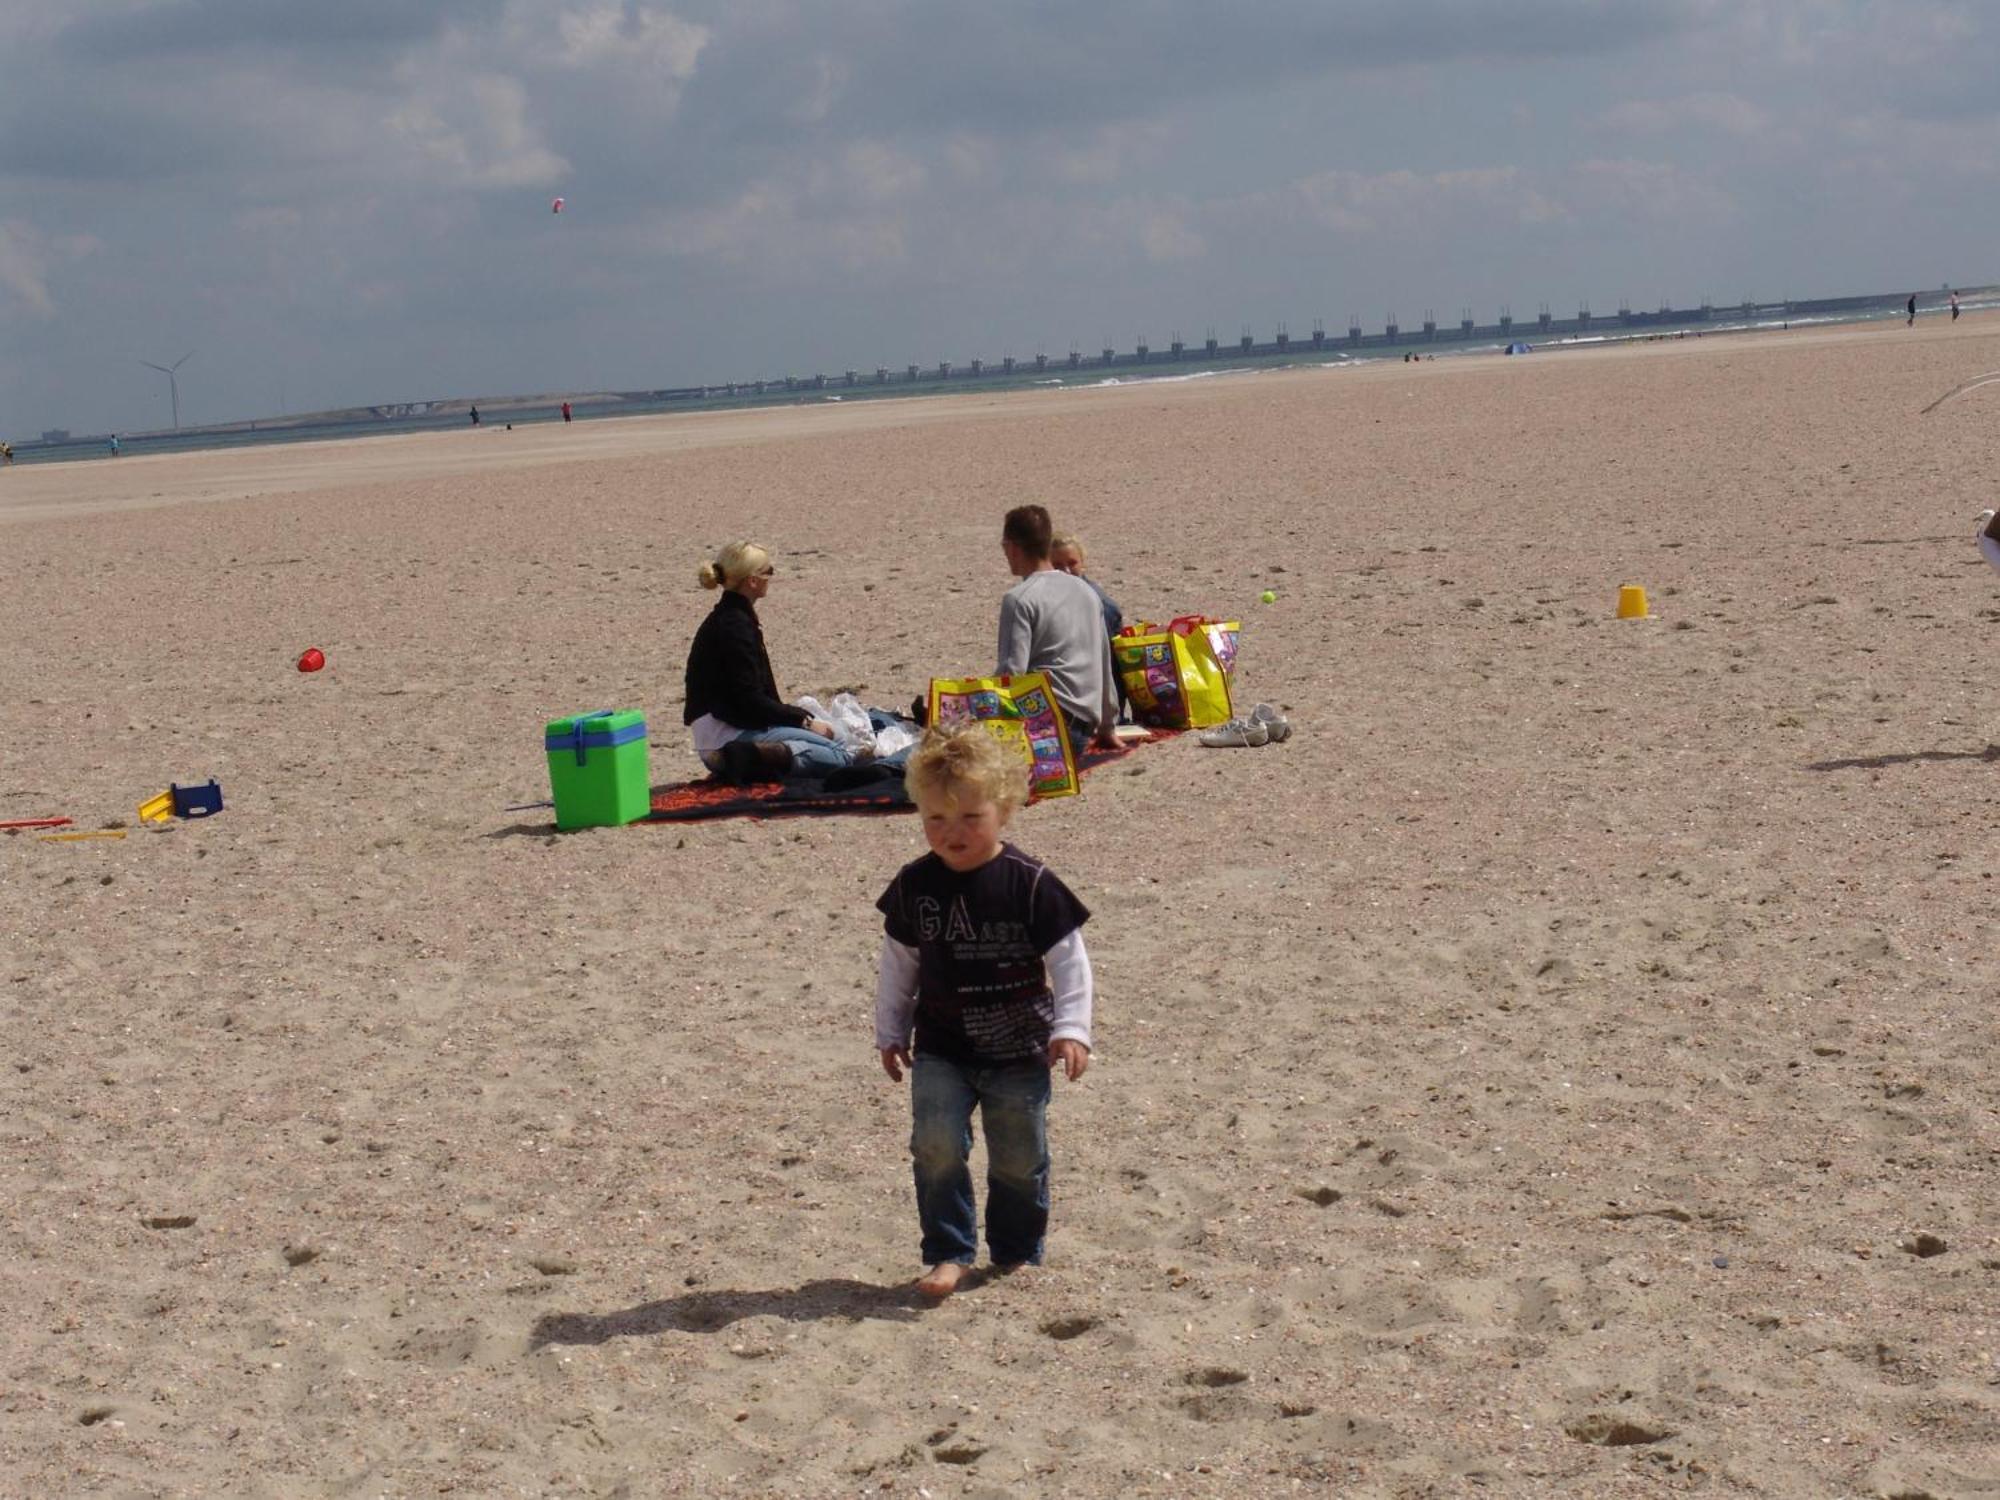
707,1312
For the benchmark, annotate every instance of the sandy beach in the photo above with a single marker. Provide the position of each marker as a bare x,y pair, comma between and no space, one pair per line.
1565,1067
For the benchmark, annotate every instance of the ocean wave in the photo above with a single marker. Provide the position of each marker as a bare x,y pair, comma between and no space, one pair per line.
1172,379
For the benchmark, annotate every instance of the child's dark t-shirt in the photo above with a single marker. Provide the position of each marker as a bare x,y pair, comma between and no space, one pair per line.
983,994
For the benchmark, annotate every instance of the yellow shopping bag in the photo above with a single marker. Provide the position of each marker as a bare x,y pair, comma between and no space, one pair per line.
1177,676
1022,711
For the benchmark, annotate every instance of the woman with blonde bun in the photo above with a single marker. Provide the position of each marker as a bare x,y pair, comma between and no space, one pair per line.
743,731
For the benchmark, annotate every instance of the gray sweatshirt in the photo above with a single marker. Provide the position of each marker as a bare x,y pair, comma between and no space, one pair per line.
1051,622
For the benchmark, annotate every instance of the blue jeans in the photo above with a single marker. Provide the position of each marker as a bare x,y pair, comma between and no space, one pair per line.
811,755
1013,1108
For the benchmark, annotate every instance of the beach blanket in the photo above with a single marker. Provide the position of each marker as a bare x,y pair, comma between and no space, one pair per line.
695,801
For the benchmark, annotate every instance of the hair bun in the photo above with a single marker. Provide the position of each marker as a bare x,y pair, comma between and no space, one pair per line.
710,576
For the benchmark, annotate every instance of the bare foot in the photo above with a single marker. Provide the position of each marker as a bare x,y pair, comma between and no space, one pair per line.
942,1279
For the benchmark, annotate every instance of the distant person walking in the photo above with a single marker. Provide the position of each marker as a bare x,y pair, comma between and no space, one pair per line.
1911,306
1954,307
475,416
566,404
114,445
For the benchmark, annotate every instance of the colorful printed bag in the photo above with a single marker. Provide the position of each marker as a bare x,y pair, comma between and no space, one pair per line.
1020,709
1177,676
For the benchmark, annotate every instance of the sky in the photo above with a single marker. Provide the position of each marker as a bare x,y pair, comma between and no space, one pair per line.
338,204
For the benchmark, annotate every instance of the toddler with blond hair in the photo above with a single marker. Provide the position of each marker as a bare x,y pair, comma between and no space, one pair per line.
985,987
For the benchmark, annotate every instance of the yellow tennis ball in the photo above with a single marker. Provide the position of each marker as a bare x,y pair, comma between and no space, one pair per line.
1269,596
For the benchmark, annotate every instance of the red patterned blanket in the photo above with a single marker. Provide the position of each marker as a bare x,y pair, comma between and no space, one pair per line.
694,801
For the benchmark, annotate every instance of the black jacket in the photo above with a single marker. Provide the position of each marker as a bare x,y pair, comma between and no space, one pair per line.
729,672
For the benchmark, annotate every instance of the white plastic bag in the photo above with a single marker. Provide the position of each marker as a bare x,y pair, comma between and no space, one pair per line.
898,736
856,732
851,722
848,719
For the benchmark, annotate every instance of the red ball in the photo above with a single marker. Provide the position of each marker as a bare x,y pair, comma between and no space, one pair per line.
313,660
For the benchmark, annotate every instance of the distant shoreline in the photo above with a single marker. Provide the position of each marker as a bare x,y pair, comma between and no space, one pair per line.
352,461
1110,367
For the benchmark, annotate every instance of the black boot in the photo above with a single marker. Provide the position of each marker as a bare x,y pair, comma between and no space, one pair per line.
747,761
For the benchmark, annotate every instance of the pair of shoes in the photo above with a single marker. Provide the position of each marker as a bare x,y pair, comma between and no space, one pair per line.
745,762
1237,732
1263,725
1276,725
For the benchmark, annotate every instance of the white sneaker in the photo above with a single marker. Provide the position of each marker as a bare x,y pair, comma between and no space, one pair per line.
1276,725
1236,732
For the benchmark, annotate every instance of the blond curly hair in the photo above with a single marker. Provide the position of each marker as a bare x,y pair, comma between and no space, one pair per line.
966,758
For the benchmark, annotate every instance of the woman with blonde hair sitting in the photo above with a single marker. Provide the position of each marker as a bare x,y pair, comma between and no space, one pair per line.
743,731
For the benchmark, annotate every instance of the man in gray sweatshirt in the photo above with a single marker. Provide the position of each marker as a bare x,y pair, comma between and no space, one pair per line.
1052,622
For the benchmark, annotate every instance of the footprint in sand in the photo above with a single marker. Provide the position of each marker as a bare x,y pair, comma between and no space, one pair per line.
1064,1329
1214,1400
948,1447
1616,1432
1215,1376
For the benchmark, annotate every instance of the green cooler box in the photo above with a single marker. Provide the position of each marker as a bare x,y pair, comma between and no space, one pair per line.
597,768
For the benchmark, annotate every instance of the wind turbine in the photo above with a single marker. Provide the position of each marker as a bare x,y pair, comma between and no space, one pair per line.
173,385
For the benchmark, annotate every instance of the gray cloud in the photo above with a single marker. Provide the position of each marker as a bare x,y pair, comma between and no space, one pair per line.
99,34
906,65
353,199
